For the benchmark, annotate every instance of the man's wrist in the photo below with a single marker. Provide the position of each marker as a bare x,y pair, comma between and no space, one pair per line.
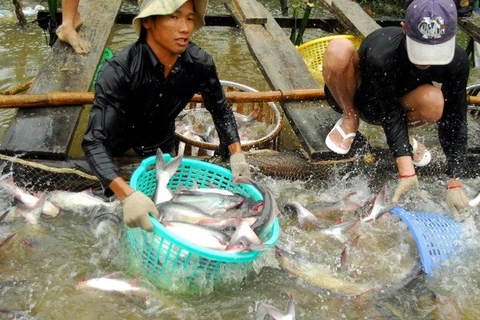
453,183
121,188
235,147
404,176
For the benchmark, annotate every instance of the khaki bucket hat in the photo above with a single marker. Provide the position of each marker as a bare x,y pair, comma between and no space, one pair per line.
165,7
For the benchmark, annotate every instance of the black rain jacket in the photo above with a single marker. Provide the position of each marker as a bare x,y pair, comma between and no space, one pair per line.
135,106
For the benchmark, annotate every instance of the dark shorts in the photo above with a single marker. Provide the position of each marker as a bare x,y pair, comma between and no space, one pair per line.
366,105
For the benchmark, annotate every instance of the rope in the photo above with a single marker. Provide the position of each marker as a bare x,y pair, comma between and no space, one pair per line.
48,168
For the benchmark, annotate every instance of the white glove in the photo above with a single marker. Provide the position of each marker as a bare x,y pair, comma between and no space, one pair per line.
239,166
456,200
407,184
136,207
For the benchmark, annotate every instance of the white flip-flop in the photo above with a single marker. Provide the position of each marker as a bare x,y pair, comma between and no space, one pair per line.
331,145
427,157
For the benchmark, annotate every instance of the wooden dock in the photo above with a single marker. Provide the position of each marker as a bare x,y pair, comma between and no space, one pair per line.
352,16
47,133
471,25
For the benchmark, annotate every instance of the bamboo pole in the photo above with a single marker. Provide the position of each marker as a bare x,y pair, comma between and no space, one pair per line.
54,99
46,99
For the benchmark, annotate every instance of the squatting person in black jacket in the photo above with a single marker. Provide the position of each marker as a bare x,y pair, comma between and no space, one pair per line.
390,81
141,90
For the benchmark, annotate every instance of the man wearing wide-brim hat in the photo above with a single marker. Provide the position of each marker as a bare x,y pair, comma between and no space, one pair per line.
142,89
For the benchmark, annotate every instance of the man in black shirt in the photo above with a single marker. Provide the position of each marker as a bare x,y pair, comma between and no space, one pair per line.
141,90
390,82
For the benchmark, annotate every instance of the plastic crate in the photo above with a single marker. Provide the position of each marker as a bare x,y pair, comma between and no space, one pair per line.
312,53
168,261
437,237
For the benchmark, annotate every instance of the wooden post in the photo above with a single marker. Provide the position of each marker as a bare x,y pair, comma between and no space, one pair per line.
19,13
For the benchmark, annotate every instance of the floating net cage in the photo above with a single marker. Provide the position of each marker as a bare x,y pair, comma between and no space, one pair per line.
37,177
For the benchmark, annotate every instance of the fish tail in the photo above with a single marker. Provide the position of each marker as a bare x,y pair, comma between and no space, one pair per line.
356,241
350,205
2,217
253,115
344,258
7,240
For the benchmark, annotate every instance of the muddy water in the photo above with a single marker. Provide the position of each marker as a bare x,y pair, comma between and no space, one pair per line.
41,267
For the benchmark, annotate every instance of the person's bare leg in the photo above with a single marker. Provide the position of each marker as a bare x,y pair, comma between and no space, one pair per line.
77,22
67,31
340,72
423,106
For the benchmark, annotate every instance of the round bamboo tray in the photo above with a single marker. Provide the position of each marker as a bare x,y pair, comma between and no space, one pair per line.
269,114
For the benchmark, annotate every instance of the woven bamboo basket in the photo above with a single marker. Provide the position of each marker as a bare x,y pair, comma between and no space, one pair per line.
312,53
269,114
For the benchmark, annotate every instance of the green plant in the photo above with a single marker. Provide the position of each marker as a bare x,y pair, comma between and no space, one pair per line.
296,36
52,8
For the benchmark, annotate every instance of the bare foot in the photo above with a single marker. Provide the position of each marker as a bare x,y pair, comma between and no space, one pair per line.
70,36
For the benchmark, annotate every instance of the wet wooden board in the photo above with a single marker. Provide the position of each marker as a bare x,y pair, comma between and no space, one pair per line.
251,12
284,69
326,23
352,17
471,25
48,132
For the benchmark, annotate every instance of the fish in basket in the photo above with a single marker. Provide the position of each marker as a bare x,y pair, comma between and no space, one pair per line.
210,228
259,124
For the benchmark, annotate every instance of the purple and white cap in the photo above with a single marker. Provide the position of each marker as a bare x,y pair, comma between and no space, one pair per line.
431,26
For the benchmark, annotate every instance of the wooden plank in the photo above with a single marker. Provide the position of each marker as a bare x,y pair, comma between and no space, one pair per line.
284,69
471,25
352,16
326,23
251,12
48,132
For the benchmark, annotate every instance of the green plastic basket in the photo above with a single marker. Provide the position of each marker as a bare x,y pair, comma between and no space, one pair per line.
170,262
